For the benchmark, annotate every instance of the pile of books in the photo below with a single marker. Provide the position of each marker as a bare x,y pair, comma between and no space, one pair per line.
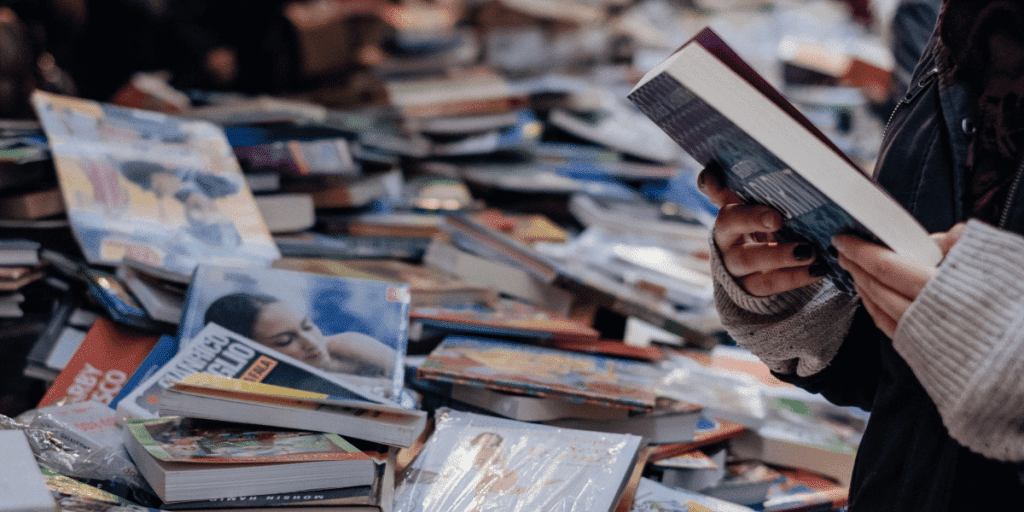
487,289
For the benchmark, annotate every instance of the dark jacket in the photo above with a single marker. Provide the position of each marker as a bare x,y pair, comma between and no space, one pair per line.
906,451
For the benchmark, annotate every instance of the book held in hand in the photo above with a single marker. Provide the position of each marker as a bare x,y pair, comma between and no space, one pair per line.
188,459
730,119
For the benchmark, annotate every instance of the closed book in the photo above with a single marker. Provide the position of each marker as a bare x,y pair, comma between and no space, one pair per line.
107,357
22,487
732,121
186,459
208,396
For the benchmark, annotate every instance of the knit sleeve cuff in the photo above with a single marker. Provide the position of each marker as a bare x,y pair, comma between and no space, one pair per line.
964,339
794,333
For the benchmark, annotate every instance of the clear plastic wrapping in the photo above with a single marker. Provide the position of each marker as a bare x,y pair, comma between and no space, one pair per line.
477,463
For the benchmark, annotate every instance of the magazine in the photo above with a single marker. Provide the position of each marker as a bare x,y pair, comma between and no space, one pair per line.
355,329
159,189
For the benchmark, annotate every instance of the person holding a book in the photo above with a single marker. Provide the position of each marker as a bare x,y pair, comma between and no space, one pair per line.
272,322
936,354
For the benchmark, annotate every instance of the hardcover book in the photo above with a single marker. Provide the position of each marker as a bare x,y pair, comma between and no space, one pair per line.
543,371
355,329
156,188
474,463
189,459
218,351
731,120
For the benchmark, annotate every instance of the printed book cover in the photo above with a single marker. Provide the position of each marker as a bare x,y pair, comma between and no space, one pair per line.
506,317
356,329
198,441
140,184
218,351
730,119
101,366
543,371
74,496
474,463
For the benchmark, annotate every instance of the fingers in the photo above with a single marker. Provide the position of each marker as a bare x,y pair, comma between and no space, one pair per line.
885,305
882,264
711,185
751,258
763,284
947,240
736,221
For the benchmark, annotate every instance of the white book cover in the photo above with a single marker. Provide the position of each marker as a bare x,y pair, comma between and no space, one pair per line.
474,463
22,487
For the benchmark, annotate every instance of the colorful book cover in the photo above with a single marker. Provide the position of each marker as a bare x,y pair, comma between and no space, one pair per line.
218,351
506,317
101,366
543,371
474,463
355,329
155,188
651,495
192,440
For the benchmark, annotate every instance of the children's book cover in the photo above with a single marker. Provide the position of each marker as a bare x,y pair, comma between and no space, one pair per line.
474,463
543,371
355,329
176,439
159,189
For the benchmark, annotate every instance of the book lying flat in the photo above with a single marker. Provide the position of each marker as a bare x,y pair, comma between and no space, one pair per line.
203,395
727,117
187,459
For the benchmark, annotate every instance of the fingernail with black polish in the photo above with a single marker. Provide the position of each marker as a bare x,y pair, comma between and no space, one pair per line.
817,270
803,252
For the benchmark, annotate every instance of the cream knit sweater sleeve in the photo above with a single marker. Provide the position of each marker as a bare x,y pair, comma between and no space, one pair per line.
964,339
797,332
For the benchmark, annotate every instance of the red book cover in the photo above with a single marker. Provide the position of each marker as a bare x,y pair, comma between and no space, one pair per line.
102,364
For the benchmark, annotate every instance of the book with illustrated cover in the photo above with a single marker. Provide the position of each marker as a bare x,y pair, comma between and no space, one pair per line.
355,329
218,351
189,459
140,184
731,120
543,371
474,462
202,395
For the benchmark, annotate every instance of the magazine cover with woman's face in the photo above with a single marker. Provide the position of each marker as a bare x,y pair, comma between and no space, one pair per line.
356,328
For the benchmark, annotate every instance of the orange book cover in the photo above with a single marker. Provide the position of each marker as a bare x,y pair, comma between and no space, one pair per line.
102,364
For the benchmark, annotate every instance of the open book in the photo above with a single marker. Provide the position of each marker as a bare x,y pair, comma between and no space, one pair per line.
726,116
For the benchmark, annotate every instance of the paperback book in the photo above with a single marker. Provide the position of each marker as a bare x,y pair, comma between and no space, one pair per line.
156,188
474,463
728,118
542,372
354,329
188,459
218,351
202,395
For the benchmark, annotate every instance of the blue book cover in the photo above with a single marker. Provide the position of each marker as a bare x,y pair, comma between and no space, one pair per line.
356,329
164,350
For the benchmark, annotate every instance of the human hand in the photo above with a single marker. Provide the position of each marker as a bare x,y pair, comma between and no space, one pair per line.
744,233
886,282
